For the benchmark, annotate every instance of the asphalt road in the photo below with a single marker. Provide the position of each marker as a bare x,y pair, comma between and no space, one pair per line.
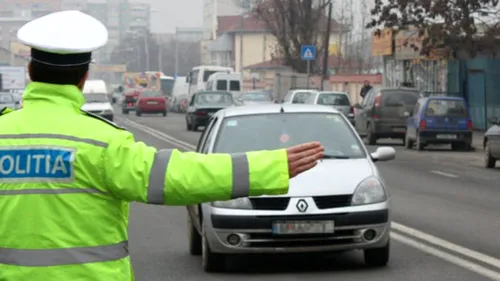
446,222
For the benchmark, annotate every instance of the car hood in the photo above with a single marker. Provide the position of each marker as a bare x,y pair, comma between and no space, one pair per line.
331,177
97,106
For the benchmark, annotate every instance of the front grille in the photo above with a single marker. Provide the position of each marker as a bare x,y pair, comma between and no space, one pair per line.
270,204
269,240
335,201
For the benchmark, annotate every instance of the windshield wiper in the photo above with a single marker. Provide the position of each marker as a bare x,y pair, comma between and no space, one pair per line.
329,156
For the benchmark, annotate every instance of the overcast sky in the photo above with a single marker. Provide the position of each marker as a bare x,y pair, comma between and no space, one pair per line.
173,13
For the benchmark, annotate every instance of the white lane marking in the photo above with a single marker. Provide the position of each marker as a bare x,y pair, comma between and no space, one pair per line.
454,248
443,174
481,270
447,245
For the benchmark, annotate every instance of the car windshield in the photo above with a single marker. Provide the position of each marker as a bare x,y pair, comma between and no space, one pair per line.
442,107
214,99
281,130
91,98
6,99
301,97
333,99
151,94
257,96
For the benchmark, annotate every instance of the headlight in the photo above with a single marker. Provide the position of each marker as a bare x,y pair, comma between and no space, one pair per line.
369,191
239,203
108,111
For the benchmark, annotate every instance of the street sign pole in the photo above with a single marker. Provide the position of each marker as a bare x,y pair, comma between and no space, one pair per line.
308,72
308,53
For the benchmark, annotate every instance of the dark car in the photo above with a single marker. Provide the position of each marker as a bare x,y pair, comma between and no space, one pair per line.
256,97
203,105
129,100
151,102
384,113
440,120
491,143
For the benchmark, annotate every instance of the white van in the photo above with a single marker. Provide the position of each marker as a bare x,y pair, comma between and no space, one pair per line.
96,99
230,82
198,76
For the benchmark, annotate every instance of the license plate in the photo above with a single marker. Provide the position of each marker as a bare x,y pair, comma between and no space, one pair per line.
399,130
446,137
303,227
152,102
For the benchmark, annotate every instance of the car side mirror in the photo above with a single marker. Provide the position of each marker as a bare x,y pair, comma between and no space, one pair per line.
383,153
493,120
357,106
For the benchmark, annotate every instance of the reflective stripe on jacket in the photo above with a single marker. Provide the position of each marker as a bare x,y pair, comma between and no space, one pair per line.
66,178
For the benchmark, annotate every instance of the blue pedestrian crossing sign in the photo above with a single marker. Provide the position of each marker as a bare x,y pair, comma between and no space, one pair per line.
308,52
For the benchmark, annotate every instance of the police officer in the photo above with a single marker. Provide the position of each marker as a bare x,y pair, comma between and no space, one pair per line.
66,176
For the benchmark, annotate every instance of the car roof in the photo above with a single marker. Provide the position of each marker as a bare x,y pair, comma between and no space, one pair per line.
445,98
213,92
274,108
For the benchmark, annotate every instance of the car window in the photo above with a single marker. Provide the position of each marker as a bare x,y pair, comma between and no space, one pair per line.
6,99
416,109
438,107
281,130
300,97
194,77
221,85
214,98
234,85
151,94
210,137
399,98
333,99
191,102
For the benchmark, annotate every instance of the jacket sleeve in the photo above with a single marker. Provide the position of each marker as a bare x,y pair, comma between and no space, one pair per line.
134,171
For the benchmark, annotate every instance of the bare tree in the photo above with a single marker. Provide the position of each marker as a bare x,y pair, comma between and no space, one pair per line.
465,26
294,23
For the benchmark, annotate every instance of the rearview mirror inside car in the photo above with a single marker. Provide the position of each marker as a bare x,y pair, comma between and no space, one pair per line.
383,153
493,120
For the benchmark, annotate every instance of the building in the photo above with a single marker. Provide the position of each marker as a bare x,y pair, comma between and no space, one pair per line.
214,8
238,35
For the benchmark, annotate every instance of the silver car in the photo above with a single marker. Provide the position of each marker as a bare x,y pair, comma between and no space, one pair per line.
338,100
256,97
341,204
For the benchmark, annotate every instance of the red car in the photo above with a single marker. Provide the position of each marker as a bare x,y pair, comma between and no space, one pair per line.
151,102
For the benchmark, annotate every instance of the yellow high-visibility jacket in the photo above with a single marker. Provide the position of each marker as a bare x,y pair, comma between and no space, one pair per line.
67,177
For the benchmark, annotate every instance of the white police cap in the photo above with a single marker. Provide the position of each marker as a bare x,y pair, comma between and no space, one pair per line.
64,38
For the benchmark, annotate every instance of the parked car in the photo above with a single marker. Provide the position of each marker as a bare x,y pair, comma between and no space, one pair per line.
256,97
337,100
298,95
439,120
204,104
152,102
350,212
384,113
491,143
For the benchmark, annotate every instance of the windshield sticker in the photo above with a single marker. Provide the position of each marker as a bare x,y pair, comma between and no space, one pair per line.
335,118
232,123
355,147
284,138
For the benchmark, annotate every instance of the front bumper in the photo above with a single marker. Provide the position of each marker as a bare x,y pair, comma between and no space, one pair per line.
255,230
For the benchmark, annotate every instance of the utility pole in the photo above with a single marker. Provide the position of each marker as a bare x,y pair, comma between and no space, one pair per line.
327,45
242,26
176,52
160,52
146,47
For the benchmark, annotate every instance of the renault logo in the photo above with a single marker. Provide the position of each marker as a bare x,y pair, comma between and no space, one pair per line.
302,205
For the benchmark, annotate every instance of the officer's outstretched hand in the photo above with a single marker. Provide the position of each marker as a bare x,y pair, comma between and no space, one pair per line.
303,157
